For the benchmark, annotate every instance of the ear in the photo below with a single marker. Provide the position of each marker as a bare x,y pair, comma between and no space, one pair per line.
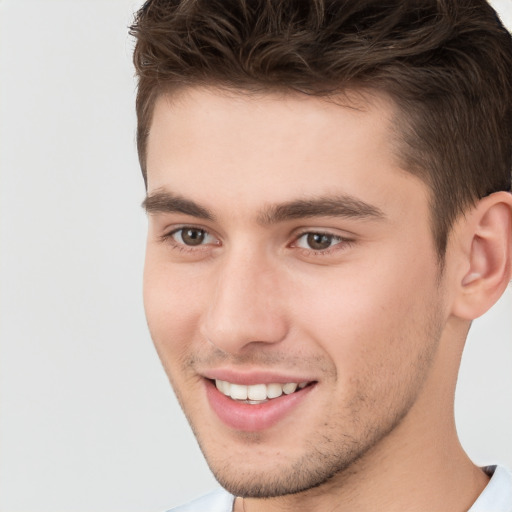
485,263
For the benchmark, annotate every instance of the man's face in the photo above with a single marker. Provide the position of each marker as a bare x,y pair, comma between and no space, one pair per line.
286,246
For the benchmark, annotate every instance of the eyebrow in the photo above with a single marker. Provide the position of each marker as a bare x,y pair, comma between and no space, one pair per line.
325,206
166,202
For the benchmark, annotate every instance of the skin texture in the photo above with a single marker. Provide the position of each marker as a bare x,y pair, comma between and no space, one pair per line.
369,319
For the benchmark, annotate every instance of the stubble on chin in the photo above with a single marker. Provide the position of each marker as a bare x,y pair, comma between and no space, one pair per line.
338,445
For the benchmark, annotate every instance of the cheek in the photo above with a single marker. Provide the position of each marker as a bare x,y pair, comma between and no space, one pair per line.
171,299
381,341
171,302
371,319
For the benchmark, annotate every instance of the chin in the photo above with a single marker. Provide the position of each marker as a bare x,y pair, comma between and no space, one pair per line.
277,474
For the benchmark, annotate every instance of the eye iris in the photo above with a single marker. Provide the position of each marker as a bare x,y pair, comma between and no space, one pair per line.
318,241
193,236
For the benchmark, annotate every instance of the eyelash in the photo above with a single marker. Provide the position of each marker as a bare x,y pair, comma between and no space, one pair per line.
338,243
184,248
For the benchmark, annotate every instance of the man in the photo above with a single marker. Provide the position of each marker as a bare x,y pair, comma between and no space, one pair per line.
328,192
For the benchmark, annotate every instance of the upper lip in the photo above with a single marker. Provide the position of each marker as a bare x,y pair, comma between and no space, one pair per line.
251,377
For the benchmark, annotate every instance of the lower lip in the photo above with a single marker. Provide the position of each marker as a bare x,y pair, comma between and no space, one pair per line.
255,417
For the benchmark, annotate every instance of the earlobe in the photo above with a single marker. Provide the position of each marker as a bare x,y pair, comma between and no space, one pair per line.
487,236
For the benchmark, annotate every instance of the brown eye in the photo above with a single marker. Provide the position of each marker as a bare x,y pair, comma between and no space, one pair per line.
319,241
190,236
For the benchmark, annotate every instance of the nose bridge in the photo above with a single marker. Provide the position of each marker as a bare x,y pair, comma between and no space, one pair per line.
245,306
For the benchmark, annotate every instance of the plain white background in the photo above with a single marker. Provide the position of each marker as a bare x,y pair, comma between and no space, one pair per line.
88,421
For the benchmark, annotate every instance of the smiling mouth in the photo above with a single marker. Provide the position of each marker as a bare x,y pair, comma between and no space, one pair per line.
255,394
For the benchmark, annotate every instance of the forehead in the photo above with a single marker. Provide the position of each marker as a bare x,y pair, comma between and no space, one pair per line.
242,148
266,120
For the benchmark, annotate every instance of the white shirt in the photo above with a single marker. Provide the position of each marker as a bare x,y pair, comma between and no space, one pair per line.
497,496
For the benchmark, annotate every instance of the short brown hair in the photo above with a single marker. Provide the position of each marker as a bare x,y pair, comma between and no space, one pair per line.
447,64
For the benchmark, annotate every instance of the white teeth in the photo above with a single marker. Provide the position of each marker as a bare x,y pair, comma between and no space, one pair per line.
238,392
257,393
223,386
274,390
226,387
289,388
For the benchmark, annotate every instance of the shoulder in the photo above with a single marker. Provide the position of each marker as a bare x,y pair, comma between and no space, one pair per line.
497,496
215,501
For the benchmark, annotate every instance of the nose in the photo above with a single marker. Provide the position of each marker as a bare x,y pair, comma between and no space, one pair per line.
245,306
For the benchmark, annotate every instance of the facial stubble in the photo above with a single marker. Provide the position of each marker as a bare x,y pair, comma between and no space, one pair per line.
336,453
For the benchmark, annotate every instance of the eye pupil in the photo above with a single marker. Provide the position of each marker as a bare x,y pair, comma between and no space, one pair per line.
317,241
192,236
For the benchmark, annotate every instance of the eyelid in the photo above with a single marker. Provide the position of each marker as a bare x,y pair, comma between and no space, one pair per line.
342,243
168,236
207,234
341,240
323,231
